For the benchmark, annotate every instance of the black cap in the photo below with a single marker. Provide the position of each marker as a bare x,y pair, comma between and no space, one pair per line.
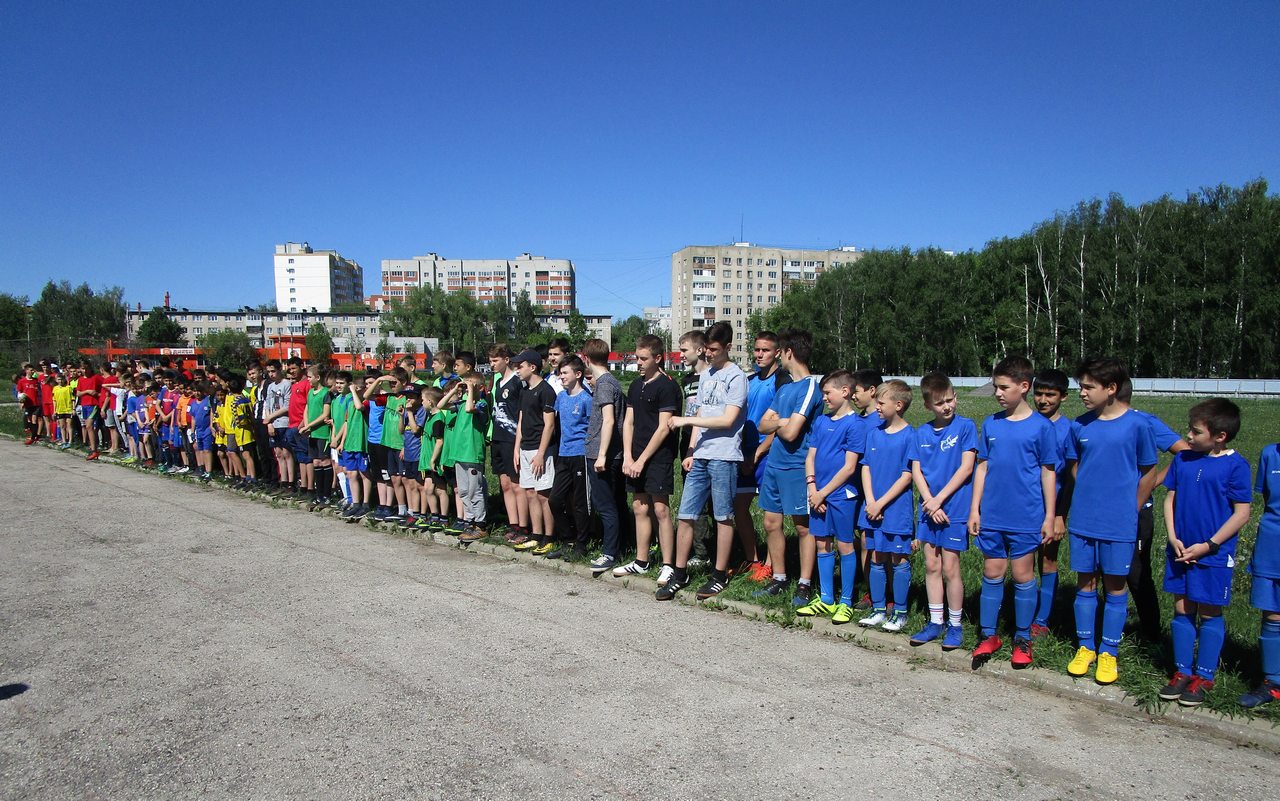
529,355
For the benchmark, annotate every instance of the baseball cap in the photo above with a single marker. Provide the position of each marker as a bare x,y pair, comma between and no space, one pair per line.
529,355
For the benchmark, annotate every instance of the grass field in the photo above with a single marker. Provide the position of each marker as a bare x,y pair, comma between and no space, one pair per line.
1144,668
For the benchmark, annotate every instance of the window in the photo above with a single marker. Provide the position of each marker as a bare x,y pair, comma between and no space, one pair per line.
293,291
291,280
739,285
360,332
724,260
773,298
199,331
291,262
773,263
739,262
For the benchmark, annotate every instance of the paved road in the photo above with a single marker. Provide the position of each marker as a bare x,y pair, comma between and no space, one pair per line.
182,642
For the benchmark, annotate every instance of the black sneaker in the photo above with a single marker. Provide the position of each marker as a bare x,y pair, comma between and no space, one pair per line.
1197,689
803,595
669,590
1173,690
713,587
555,553
773,589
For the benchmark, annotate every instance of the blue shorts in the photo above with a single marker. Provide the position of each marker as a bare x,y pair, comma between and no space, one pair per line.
1203,584
837,521
891,543
132,430
785,492
709,478
954,536
299,444
204,439
1265,594
353,460
87,411
1007,544
1091,555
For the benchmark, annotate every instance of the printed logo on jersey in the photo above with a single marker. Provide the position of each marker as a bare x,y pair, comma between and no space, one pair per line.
947,443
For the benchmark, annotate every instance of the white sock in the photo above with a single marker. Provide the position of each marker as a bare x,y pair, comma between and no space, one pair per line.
935,613
403,508
804,582
346,490
779,576
953,617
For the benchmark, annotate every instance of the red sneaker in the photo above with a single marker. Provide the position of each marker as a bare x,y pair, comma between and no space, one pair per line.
29,440
93,455
1038,631
987,647
1021,657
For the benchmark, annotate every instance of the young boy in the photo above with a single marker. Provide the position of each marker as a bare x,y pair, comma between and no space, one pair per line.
241,431
569,503
1049,390
1265,571
1205,508
1114,453
649,453
275,417
435,494
414,418
783,491
202,430
502,446
603,454
711,459
64,404
442,366
836,444
468,429
865,384
887,505
393,443
943,454
88,388
762,387
535,434
317,428
338,406
353,447
1013,506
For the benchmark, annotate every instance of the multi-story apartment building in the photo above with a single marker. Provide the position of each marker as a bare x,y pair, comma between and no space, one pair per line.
729,282
549,282
659,319
265,328
315,279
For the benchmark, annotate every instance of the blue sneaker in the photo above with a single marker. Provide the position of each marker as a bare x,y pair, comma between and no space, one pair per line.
929,633
953,639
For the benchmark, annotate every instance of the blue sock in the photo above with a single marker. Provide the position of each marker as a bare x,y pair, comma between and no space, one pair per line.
878,581
827,576
1044,604
1213,633
1024,608
1183,630
901,584
1086,608
848,572
1114,613
991,599
1269,642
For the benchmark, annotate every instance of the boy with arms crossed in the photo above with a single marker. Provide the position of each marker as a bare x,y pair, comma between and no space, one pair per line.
865,384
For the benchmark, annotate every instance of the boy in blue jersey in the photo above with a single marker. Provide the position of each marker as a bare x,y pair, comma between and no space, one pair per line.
836,444
865,384
762,386
887,505
783,491
1012,510
943,454
1049,390
1265,569
202,426
569,493
1114,455
1205,508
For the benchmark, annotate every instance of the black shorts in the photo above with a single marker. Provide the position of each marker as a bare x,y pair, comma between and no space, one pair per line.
318,448
658,478
450,476
395,465
378,462
412,473
435,478
502,457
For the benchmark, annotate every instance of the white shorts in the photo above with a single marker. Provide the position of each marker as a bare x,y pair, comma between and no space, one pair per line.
527,481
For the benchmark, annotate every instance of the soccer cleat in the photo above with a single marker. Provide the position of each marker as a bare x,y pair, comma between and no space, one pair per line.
1021,656
929,633
630,569
760,572
896,621
527,545
1038,631
1194,694
1082,661
802,596
555,553
773,589
472,534
519,539
876,618
953,639
1173,690
987,648
422,523
1107,672
711,588
665,574
843,614
602,563
544,549
864,602
1264,693
668,591
816,608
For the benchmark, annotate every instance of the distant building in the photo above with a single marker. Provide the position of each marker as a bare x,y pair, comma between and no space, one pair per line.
599,326
309,279
266,328
659,319
710,283
550,282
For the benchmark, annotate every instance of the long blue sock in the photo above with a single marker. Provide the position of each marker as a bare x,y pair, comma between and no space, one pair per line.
1044,603
1183,630
1114,614
1086,608
878,581
1269,642
827,576
901,584
848,572
1024,608
989,610
1213,633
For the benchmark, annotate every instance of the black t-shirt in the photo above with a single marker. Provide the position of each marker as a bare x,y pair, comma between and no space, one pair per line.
648,399
533,402
506,408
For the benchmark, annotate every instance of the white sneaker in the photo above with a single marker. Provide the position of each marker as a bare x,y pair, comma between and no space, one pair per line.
630,569
183,470
695,562
665,574
874,619
895,622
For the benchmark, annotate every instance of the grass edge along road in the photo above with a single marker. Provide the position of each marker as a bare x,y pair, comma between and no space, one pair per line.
1144,666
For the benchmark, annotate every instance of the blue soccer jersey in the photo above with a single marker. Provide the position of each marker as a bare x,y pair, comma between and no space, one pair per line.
1015,450
1109,455
888,457
939,451
1165,436
760,395
199,411
412,441
573,415
1266,551
1206,488
376,413
799,397
832,438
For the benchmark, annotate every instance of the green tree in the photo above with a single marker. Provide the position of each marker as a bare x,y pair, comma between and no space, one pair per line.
160,329
577,329
319,344
498,314
72,314
624,334
230,349
384,350
13,317
356,346
526,319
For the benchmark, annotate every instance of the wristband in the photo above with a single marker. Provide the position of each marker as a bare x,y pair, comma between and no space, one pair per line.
811,480
1214,547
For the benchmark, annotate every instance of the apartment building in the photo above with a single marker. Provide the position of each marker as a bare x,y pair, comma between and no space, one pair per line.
549,282
315,279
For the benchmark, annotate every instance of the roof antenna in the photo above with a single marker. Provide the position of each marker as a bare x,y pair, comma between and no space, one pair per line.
742,236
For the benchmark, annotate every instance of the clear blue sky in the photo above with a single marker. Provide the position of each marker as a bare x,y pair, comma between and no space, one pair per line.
171,146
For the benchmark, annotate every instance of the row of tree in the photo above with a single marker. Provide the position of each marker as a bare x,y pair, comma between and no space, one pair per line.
1172,287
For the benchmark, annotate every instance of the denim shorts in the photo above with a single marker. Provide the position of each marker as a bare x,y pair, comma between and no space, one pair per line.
712,478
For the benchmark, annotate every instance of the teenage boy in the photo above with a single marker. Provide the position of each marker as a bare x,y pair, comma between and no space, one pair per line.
464,364
762,385
468,429
944,451
298,443
502,446
353,446
28,388
557,350
649,454
783,491
887,511
836,445
275,417
442,366
865,384
569,503
1013,506
604,451
338,405
711,460
1264,569
692,346
1205,508
1049,390
318,428
88,388
535,433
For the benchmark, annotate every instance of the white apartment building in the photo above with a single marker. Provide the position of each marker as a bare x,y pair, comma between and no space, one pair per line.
309,279
549,282
659,319
729,282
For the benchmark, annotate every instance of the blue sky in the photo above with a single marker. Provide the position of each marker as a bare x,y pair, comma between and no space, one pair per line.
171,146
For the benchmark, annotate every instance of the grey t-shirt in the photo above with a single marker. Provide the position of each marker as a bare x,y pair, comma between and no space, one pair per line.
607,392
277,399
717,390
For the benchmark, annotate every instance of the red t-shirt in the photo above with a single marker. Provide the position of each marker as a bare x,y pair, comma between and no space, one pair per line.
86,384
298,401
47,383
105,398
29,389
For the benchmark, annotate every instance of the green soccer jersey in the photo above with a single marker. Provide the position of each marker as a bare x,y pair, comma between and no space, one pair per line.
357,440
393,423
316,399
469,434
338,411
430,436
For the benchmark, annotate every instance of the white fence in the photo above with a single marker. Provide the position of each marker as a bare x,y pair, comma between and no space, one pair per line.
1207,387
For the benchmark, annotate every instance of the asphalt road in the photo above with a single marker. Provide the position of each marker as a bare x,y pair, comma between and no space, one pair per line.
183,642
